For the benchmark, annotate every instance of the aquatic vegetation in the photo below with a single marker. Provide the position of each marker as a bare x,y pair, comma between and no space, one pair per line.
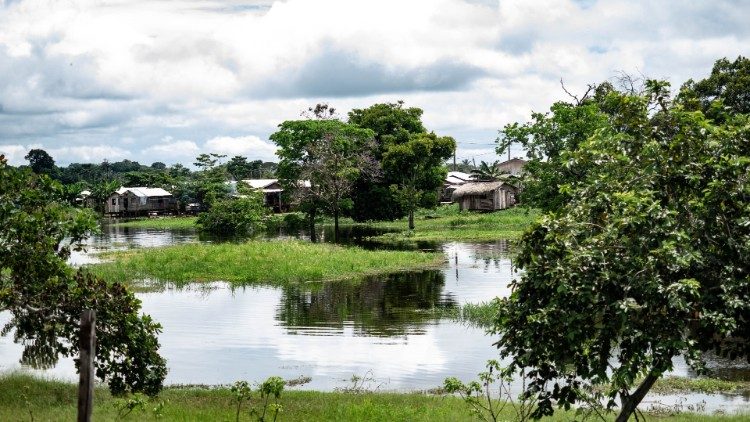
257,262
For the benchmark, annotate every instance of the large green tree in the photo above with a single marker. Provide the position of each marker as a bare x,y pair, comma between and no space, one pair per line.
328,154
646,259
393,124
417,168
45,296
40,161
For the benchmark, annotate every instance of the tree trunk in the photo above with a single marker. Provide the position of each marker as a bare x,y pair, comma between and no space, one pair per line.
411,219
631,402
336,225
313,235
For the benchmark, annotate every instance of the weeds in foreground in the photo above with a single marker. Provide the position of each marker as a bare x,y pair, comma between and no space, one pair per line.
270,395
125,406
361,384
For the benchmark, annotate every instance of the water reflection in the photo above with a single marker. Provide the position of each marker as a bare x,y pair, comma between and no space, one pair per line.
393,305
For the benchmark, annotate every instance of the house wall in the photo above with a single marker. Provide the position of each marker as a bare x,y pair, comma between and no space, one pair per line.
499,199
132,204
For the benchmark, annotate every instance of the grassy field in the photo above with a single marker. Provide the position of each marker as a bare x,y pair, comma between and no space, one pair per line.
23,398
263,262
447,223
162,223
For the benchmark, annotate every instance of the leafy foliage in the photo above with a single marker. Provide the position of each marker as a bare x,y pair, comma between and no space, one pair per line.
329,154
645,260
726,90
45,296
239,216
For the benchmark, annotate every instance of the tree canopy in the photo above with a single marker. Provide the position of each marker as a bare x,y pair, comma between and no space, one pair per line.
45,296
643,255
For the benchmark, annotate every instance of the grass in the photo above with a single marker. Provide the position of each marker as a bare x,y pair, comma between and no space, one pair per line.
447,223
676,385
257,262
22,396
481,314
161,223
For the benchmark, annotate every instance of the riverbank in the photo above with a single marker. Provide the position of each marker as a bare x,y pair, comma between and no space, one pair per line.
447,223
257,262
23,397
444,223
160,223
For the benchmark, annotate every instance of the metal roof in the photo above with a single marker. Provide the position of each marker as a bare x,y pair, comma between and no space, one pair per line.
143,192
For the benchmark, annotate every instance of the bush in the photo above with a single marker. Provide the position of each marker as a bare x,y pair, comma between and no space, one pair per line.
239,216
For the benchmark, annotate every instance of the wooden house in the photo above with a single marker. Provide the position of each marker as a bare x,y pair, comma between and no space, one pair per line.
140,201
485,196
514,166
272,191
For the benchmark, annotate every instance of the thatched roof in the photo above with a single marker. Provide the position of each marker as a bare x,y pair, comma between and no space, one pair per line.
477,188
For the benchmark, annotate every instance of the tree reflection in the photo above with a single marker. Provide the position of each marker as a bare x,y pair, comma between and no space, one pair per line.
391,305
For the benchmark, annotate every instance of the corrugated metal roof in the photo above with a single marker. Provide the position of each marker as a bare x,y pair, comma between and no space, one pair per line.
260,183
143,192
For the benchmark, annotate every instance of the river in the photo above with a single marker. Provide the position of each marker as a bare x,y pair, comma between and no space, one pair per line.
383,329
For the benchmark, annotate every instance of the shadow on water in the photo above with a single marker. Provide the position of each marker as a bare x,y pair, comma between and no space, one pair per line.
393,305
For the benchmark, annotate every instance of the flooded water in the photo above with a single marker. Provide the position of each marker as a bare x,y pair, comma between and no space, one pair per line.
387,328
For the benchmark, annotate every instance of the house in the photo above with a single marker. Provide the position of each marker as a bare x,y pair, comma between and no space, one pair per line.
485,196
84,199
452,181
271,189
514,166
140,201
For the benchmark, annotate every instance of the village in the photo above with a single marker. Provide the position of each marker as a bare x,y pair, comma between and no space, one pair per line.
331,210
466,189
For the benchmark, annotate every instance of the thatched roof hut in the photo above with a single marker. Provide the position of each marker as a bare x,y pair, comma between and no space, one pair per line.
485,196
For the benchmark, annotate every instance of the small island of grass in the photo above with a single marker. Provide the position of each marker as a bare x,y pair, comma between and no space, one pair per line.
258,262
159,223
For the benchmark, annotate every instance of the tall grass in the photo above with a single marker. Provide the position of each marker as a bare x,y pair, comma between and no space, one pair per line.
162,223
266,262
56,401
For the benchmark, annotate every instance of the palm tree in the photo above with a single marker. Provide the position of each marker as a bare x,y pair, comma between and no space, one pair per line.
488,172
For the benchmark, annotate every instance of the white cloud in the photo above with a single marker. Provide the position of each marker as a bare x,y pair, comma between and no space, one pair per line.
89,73
14,154
249,146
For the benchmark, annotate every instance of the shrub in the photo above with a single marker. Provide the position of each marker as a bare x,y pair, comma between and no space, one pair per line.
239,216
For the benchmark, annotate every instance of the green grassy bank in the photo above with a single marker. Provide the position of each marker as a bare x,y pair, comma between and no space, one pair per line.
447,223
266,262
24,398
162,223
444,223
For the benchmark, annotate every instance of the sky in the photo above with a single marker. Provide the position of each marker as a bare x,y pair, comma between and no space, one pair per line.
164,81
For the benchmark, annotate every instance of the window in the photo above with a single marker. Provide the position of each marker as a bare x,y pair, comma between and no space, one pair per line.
114,201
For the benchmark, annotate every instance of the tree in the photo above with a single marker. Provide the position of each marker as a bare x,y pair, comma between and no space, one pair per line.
211,178
419,166
241,216
392,124
40,162
239,168
546,139
726,90
45,296
330,155
487,172
647,259
158,165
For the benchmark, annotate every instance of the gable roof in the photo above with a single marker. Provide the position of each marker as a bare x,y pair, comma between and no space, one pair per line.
478,188
143,192
458,178
260,183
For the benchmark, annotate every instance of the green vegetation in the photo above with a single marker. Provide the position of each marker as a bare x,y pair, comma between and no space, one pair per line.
43,296
481,314
677,385
447,223
161,223
25,398
268,262
240,216
645,256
